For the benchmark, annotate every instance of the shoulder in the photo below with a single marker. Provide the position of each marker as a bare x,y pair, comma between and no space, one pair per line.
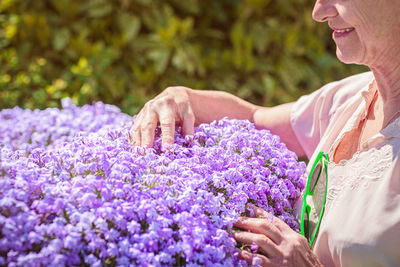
342,90
356,80
312,114
348,90
339,94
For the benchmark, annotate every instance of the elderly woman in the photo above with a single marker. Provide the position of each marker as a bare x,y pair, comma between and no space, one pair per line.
351,209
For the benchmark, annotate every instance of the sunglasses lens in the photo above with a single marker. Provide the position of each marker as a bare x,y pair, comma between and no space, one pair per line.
312,216
311,228
306,221
315,176
306,233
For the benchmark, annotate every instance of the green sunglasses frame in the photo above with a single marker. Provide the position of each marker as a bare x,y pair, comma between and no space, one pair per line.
324,159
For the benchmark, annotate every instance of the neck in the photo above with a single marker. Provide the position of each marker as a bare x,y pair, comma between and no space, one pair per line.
388,85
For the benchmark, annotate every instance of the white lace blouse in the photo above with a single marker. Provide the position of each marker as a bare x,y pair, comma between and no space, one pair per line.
361,222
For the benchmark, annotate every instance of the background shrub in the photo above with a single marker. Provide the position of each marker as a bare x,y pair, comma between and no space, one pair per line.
124,52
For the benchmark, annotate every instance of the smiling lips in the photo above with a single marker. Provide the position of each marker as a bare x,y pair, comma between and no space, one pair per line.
341,32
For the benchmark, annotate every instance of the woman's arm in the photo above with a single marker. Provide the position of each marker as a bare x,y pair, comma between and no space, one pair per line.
187,107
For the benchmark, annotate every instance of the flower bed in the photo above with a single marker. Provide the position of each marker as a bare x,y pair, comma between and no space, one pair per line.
73,191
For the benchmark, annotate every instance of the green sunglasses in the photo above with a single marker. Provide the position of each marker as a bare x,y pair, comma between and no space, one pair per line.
319,173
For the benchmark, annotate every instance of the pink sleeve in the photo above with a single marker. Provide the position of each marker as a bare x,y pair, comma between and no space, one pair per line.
310,117
312,114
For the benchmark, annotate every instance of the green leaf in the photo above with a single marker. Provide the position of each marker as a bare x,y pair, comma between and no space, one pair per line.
97,8
129,25
61,39
6,4
160,58
128,51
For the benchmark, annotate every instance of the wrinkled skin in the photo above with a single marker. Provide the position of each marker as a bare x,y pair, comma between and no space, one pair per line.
374,37
169,108
278,244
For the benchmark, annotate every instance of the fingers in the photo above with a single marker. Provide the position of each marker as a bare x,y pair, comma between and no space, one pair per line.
167,125
276,240
160,110
135,135
261,213
260,226
167,109
265,245
188,123
147,129
250,258
142,131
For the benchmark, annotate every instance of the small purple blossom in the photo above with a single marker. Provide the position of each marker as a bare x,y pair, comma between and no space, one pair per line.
256,262
254,247
73,191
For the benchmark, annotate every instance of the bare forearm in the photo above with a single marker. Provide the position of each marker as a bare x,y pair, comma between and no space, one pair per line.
214,105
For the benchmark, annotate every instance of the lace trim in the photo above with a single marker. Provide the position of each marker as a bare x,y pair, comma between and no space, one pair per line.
359,174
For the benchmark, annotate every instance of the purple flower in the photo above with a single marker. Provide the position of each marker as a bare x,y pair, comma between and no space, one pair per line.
256,261
254,247
74,191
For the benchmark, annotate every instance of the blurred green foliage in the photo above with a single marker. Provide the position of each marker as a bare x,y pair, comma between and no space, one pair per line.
124,52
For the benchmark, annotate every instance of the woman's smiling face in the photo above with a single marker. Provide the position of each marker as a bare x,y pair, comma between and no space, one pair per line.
365,31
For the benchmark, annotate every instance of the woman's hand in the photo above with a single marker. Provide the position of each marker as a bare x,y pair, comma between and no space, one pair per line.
169,108
278,244
186,107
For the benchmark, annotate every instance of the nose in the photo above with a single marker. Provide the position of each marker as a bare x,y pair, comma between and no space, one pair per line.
324,10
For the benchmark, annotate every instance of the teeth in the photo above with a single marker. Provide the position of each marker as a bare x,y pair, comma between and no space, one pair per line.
345,30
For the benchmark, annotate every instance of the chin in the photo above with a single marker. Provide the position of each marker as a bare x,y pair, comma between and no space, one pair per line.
346,57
